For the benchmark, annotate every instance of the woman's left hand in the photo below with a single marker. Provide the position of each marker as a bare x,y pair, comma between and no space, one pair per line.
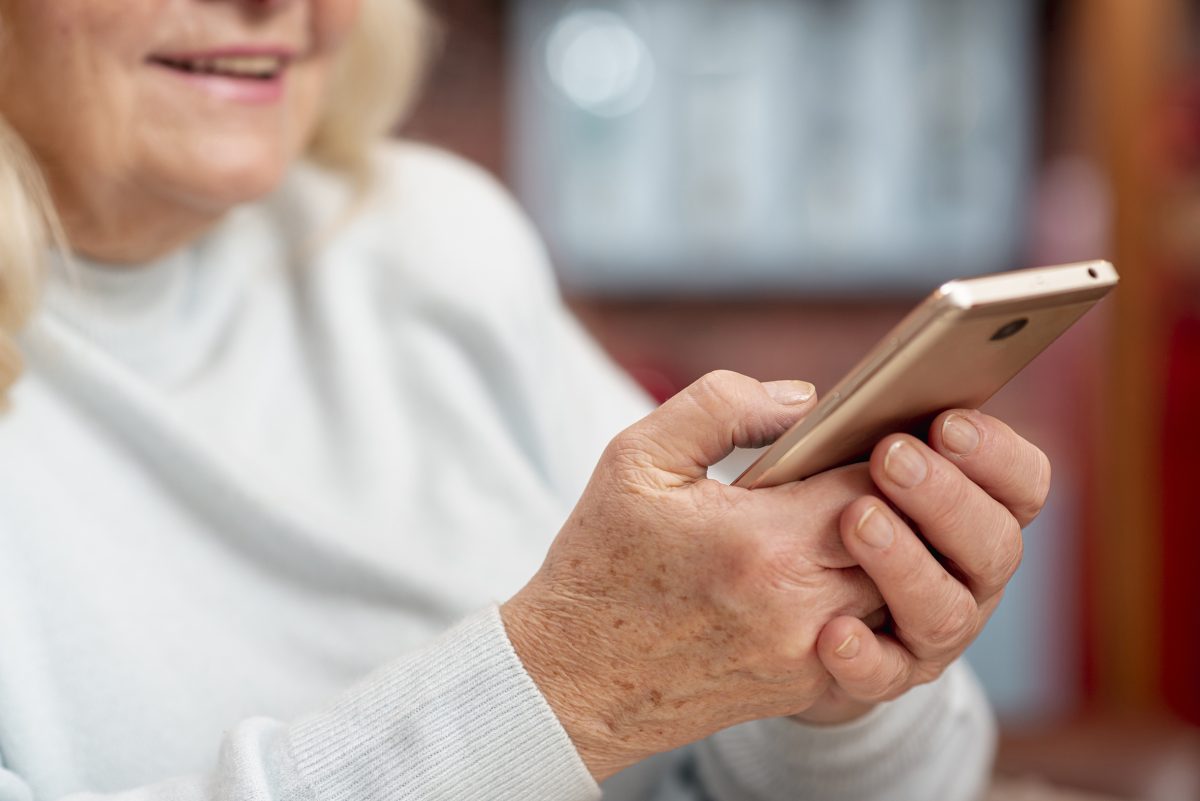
968,494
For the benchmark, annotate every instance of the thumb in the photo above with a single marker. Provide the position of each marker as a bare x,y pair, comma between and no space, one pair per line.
704,423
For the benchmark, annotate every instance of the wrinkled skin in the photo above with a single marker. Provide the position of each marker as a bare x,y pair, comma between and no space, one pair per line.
671,606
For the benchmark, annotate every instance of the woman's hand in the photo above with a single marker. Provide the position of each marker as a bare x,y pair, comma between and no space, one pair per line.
671,605
968,495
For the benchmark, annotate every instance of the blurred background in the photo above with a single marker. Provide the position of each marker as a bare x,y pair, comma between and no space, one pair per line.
769,185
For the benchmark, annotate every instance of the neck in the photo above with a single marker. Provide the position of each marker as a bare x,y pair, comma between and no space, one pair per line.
131,228
130,245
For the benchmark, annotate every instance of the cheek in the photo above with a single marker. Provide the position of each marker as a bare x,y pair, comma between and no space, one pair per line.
75,34
66,76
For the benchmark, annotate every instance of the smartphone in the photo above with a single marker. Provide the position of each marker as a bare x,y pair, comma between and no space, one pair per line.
955,350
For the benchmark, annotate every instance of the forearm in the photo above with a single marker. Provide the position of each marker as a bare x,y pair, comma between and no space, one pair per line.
937,741
459,718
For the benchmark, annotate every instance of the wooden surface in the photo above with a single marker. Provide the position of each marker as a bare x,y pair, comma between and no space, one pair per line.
1023,788
1125,47
1137,757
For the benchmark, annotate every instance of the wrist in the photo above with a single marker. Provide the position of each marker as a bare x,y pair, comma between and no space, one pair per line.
568,681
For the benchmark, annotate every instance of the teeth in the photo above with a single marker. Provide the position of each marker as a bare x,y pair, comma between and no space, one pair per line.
246,65
238,66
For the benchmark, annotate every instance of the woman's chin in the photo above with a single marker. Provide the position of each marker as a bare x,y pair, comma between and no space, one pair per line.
246,186
224,186
217,175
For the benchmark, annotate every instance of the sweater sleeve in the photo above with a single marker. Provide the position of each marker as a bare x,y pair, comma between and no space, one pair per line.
936,741
458,719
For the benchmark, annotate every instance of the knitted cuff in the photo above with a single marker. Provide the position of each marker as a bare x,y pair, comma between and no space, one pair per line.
458,719
935,741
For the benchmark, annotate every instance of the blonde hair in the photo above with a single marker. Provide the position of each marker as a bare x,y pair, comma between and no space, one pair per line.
375,81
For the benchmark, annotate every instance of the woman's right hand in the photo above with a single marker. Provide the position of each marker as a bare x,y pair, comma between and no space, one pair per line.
670,605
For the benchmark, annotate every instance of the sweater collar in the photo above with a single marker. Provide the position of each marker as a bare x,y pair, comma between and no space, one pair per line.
164,318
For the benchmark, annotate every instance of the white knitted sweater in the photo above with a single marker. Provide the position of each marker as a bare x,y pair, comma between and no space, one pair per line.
258,501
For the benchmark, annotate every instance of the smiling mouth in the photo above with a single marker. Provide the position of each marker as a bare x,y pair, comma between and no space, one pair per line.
252,68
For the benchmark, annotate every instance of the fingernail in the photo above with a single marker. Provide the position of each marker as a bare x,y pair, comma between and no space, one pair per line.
849,648
960,435
875,529
904,465
790,393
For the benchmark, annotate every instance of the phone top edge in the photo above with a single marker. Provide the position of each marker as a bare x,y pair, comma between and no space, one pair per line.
954,294
1088,278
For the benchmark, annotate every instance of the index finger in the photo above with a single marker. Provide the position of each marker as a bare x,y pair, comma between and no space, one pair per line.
1005,465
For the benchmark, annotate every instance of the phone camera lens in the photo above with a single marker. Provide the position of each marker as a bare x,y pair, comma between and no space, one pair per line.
1008,329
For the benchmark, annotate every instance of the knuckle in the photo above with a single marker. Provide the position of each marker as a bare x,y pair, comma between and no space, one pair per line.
1011,551
886,681
785,569
790,648
710,504
1004,557
632,450
774,571
747,585
630,441
719,384
718,395
950,505
926,671
952,626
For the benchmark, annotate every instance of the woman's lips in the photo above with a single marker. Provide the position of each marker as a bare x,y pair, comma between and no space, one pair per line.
248,75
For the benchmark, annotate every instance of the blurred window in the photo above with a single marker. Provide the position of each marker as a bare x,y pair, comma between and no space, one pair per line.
750,145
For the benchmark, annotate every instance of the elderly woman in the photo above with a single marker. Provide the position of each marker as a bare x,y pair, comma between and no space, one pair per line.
298,407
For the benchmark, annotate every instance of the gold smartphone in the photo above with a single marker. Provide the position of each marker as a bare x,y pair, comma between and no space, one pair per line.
955,350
